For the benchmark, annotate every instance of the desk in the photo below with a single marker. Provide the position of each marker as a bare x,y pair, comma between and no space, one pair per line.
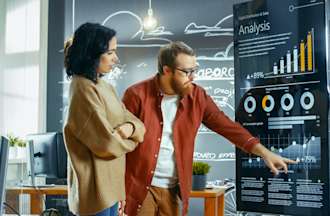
214,200
16,215
36,195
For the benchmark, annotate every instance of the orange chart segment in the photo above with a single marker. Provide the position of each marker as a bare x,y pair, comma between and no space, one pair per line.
268,103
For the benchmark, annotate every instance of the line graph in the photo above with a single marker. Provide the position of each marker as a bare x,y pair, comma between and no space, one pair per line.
305,150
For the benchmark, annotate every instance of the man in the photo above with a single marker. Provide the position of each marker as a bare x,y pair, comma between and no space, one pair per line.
172,109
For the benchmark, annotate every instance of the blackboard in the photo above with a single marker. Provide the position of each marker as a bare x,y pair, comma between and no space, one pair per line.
205,26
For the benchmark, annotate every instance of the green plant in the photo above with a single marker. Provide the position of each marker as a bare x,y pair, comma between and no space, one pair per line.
200,168
16,141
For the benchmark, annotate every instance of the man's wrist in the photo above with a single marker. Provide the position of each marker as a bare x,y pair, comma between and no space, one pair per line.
259,150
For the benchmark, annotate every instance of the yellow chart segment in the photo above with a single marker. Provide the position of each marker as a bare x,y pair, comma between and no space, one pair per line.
302,56
264,100
309,52
270,106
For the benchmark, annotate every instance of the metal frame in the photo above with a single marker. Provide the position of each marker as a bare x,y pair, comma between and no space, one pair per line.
4,151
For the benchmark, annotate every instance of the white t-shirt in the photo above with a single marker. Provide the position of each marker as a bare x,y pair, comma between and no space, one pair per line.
166,175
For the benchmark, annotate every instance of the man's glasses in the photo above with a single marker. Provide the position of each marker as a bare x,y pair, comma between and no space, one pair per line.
188,72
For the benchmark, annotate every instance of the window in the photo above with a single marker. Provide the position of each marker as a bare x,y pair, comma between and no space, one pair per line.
22,66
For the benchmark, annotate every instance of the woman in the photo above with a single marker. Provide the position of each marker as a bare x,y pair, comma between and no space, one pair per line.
99,131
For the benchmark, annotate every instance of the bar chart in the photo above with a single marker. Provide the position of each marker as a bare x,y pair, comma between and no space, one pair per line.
299,60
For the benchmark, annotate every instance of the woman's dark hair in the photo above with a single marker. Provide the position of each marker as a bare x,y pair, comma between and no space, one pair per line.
89,42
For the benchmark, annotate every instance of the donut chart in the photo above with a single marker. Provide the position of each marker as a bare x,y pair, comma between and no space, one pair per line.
287,102
307,100
250,104
268,103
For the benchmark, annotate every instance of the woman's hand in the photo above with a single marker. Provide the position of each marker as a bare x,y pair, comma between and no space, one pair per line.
121,208
125,130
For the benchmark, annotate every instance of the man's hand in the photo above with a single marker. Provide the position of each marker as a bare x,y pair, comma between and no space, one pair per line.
273,161
125,130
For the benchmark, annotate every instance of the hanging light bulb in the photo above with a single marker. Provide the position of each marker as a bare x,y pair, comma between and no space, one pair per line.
149,22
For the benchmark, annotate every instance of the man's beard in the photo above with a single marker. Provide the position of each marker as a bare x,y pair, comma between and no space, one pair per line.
181,89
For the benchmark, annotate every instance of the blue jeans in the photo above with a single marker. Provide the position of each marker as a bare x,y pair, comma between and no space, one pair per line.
112,211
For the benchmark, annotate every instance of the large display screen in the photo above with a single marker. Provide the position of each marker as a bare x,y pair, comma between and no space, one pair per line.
281,97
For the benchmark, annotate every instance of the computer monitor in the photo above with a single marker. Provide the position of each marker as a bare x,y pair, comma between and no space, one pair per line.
4,149
62,157
47,156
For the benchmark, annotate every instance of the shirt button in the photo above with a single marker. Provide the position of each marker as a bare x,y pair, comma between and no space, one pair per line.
152,172
139,206
156,155
148,187
158,139
161,123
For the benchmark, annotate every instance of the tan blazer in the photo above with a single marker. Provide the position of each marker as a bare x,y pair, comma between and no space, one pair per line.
96,158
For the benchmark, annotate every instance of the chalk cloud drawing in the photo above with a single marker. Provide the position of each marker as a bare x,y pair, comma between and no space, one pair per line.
210,31
227,55
138,36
